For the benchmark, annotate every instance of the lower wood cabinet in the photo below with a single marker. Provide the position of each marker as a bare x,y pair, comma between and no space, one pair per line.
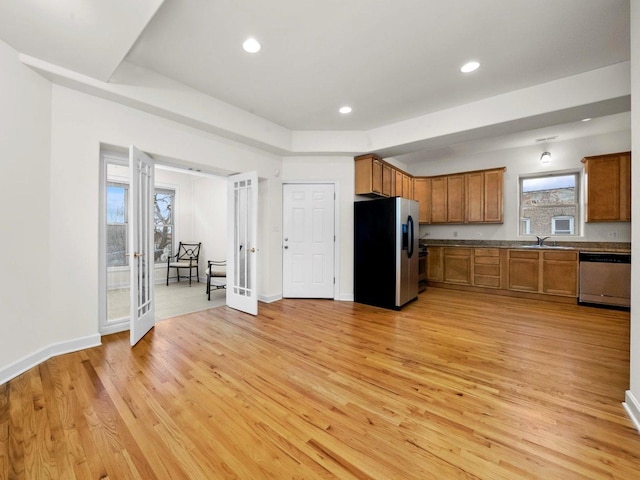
560,273
456,265
529,271
524,270
544,271
434,264
486,267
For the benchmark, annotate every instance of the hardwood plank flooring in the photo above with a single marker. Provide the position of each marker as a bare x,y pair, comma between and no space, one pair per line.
456,385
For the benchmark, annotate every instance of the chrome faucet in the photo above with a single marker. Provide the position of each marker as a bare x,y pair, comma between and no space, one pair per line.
541,240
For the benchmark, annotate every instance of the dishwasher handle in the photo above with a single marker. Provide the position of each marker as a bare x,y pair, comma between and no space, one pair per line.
605,257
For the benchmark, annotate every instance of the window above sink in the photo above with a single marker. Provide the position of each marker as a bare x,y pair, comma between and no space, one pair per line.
549,204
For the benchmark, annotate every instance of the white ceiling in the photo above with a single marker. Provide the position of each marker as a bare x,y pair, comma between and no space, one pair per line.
391,60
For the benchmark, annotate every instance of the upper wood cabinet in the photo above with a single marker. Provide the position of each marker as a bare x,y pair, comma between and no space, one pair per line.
474,183
438,199
455,198
375,177
608,187
422,193
397,182
469,197
407,185
387,180
369,176
484,196
494,196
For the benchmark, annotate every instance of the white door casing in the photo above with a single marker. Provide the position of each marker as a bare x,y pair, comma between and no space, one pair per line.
308,240
242,244
141,260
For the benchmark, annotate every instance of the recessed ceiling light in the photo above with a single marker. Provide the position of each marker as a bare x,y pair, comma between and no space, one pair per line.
251,45
585,119
469,67
344,110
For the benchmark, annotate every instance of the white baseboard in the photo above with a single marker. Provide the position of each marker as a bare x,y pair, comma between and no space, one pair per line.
115,327
46,353
632,406
270,298
278,296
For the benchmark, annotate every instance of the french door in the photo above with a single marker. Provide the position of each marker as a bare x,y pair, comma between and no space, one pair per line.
141,260
242,244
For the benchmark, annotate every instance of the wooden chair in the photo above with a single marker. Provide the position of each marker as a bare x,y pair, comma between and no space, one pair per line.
186,258
216,275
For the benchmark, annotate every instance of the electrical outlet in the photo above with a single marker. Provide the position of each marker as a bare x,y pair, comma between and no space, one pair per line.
613,234
478,234
455,234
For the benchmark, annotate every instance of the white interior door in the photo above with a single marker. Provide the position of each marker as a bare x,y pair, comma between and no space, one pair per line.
242,242
141,258
308,240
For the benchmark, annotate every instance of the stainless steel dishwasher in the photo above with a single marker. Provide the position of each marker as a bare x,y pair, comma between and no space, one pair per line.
605,279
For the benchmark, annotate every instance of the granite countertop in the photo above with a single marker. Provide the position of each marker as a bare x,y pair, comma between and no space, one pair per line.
612,247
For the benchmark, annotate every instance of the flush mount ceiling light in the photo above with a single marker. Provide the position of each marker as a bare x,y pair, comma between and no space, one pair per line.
251,45
345,110
545,157
469,67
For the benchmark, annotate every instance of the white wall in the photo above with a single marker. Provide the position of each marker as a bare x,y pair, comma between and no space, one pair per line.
80,124
633,394
520,161
51,141
341,171
210,218
25,126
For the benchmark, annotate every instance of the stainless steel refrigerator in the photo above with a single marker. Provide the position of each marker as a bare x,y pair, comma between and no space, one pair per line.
386,252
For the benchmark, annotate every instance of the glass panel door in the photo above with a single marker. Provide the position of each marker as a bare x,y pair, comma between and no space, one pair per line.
242,243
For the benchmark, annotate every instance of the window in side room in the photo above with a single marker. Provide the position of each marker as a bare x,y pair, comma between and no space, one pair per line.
117,223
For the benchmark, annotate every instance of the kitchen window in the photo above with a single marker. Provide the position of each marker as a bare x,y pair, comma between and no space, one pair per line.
549,204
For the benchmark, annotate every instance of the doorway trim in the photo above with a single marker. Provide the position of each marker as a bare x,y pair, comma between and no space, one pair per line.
104,326
336,229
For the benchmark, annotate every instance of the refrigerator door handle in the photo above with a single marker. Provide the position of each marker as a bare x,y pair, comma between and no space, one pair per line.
411,234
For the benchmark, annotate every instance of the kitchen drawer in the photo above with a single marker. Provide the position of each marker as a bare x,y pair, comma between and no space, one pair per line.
486,281
526,254
486,260
457,252
562,256
493,270
486,252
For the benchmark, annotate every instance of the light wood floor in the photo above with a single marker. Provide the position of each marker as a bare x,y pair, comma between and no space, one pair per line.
456,385
178,298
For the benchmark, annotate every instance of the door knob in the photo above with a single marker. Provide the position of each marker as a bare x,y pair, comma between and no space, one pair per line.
286,246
